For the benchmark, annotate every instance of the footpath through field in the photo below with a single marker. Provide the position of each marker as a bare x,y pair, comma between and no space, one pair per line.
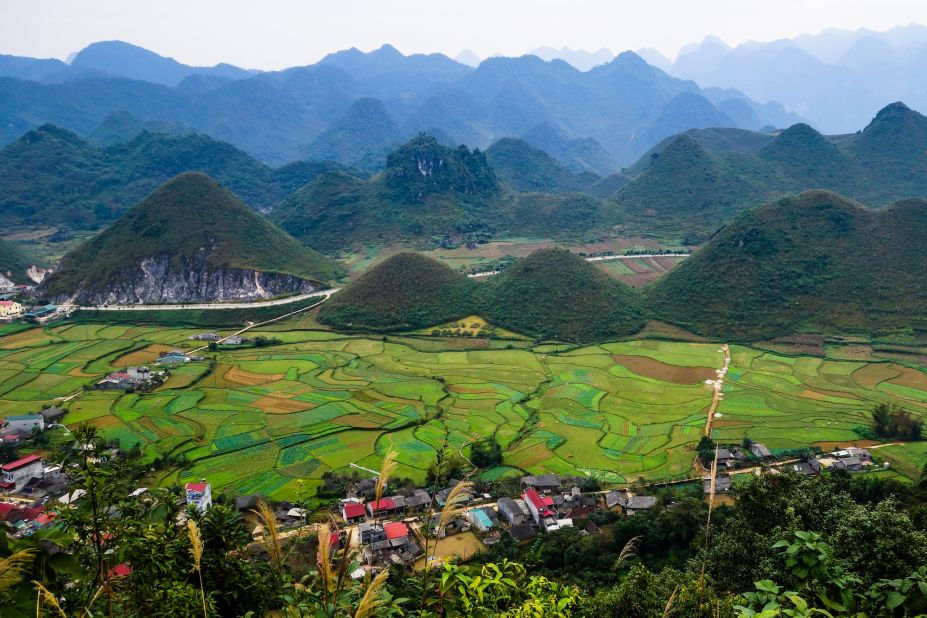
717,386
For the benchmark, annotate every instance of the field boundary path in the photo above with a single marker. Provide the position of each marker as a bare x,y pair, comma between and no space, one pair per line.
206,306
717,386
599,258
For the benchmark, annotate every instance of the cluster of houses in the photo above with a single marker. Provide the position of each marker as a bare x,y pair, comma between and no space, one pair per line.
17,428
11,311
131,378
850,459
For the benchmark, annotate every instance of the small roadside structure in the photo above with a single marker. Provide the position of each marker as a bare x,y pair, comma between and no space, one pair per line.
723,484
53,414
174,357
17,474
850,464
204,337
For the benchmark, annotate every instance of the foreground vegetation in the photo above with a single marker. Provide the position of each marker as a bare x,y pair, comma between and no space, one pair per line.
787,546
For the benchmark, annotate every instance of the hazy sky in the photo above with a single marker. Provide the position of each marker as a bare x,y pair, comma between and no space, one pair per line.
271,34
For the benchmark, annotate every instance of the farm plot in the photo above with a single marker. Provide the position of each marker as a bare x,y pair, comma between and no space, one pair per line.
790,402
274,420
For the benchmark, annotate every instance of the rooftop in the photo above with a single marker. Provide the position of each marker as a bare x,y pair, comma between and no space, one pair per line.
19,463
197,487
396,530
353,509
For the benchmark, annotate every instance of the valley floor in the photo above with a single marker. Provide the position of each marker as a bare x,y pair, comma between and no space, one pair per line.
272,420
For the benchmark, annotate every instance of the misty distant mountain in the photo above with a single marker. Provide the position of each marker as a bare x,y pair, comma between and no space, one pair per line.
468,58
578,58
596,120
836,79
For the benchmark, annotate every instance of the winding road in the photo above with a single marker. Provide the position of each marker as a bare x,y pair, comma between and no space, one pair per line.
194,306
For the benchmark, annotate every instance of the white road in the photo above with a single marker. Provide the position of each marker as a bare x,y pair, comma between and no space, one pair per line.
188,306
598,258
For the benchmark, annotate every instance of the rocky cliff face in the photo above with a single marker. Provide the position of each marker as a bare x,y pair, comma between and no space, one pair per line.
154,281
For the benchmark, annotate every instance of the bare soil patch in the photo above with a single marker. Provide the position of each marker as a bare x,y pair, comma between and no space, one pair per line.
650,368
236,375
278,405
140,357
872,375
911,378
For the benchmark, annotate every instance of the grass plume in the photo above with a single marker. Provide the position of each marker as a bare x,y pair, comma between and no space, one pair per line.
370,603
13,568
271,536
196,552
46,597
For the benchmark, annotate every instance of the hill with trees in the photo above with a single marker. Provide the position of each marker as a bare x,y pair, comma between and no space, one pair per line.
429,194
404,292
190,240
50,176
362,138
554,294
691,185
817,262
526,168
13,262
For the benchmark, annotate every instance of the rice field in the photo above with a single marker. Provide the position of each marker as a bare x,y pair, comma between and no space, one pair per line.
273,420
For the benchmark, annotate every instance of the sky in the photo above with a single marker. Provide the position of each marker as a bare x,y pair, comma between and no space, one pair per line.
273,34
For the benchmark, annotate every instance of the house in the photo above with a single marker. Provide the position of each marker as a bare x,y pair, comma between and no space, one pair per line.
10,310
540,508
11,439
138,374
850,464
512,512
386,506
418,501
23,424
760,451
370,533
122,380
724,457
52,415
442,496
808,468
42,315
396,547
480,519
862,454
174,357
637,504
204,337
17,474
233,340
199,495
353,512
542,482
723,484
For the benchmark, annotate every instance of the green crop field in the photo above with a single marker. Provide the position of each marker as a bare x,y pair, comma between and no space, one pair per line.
273,420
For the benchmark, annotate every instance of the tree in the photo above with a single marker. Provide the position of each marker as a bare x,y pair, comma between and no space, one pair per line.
706,448
486,453
892,422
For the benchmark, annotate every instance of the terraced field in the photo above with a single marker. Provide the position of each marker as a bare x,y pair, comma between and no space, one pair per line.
274,419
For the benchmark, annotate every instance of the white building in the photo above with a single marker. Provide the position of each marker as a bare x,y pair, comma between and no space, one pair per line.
17,473
23,424
9,310
199,495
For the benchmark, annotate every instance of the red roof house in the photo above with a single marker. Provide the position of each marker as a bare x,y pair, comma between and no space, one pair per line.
352,510
395,530
19,463
383,505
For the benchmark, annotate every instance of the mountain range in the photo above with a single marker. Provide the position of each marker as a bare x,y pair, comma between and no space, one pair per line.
836,79
430,194
690,185
616,110
50,176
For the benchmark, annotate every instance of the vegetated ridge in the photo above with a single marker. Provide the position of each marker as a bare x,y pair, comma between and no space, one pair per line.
190,240
404,292
817,262
554,294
